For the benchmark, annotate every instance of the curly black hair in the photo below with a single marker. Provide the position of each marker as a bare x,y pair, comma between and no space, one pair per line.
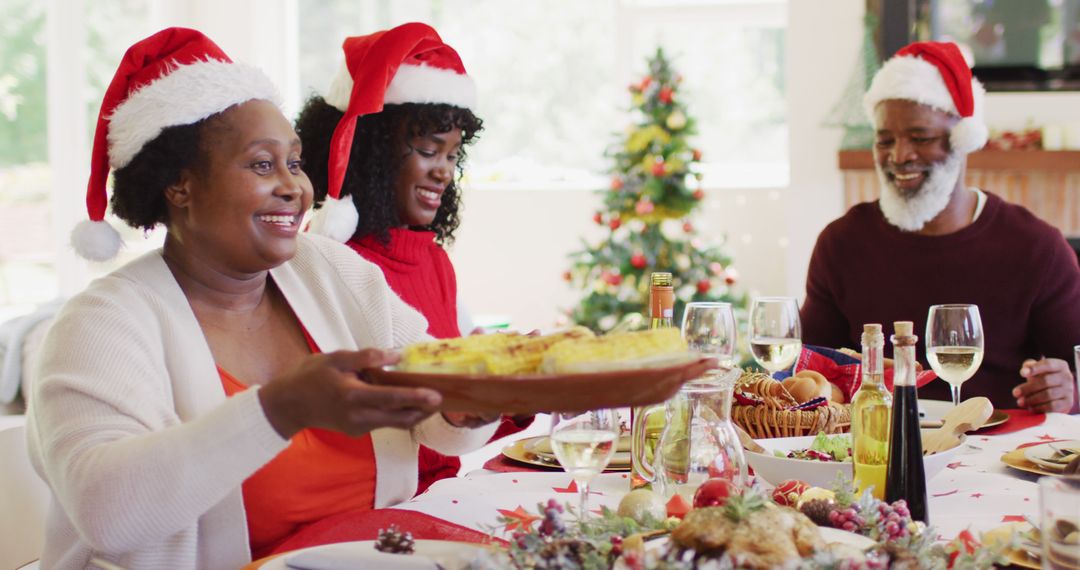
138,195
376,159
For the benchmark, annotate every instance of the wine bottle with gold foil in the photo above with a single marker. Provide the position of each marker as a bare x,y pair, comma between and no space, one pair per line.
871,411
905,476
646,422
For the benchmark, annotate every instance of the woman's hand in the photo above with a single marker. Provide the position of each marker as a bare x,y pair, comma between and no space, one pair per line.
1049,386
326,391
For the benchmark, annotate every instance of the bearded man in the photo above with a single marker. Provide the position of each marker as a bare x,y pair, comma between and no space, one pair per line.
931,239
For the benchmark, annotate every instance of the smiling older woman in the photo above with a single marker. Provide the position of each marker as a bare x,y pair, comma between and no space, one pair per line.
203,402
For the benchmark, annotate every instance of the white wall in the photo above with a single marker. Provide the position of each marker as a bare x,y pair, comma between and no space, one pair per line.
511,250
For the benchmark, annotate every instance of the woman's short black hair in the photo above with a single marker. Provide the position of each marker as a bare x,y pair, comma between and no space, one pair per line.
376,159
138,195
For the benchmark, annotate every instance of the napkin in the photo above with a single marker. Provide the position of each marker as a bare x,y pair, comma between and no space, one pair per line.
842,369
352,555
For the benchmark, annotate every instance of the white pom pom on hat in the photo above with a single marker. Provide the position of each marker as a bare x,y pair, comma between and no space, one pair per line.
938,75
177,76
406,64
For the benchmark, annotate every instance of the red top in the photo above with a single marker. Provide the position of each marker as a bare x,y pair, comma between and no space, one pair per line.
1019,270
320,474
420,272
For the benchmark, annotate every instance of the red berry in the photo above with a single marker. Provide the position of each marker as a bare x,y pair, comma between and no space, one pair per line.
598,218
714,492
703,286
638,260
658,169
616,183
614,223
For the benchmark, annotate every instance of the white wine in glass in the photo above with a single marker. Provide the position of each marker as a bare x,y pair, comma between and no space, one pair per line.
584,444
954,344
775,332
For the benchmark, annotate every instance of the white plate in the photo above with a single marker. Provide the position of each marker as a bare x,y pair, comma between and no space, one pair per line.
1038,454
362,554
820,473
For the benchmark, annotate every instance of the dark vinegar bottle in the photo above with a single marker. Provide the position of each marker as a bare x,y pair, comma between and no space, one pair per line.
905,477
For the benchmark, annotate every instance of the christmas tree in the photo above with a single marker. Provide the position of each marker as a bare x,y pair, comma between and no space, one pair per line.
647,210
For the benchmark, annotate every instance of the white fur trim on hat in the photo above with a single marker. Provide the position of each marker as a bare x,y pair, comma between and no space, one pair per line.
915,79
411,84
336,219
96,241
184,96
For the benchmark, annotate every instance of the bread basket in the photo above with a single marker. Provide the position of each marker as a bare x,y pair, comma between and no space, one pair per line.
772,416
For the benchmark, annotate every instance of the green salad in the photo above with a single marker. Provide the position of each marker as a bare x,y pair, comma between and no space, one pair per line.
823,448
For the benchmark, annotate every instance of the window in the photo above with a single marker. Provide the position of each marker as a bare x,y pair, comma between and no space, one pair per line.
552,76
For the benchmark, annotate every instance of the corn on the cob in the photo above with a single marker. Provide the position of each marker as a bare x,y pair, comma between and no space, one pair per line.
615,352
503,354
462,355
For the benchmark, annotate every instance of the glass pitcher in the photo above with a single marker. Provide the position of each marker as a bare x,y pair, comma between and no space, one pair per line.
698,441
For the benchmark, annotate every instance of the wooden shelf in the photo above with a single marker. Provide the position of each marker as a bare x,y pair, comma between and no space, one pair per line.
1046,160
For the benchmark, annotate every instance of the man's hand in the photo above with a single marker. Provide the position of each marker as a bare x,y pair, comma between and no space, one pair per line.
1048,386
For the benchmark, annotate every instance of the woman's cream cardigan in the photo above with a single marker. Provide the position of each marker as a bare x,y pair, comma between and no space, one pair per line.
130,426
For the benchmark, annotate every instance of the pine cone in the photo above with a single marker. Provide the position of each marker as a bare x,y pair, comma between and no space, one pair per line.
818,511
393,541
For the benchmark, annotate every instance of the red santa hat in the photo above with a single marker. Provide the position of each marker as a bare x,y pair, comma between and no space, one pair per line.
938,75
406,64
174,77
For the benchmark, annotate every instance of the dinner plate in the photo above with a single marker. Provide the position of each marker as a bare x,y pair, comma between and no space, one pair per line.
530,450
1016,557
362,554
1018,461
1040,454
528,394
931,412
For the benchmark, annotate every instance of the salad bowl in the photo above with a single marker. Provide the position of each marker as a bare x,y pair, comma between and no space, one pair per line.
774,467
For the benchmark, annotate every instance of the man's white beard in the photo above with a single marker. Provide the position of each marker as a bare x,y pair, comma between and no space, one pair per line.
911,213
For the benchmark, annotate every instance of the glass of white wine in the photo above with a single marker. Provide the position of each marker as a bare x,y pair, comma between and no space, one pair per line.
775,332
954,344
584,443
709,329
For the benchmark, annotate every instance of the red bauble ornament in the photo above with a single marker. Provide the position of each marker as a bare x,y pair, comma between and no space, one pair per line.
598,218
699,194
614,223
703,286
731,276
645,83
666,95
638,260
687,227
567,276
613,279
714,492
616,183
658,169
787,493
697,154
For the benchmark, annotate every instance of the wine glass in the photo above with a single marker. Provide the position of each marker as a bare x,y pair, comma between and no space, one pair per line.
775,332
584,443
709,329
954,343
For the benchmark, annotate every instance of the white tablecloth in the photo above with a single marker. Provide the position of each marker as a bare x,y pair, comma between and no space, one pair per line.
976,491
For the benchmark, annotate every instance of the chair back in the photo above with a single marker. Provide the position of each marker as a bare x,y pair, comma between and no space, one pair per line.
24,498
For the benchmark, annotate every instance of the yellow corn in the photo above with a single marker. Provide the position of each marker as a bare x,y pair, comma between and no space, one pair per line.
502,354
615,351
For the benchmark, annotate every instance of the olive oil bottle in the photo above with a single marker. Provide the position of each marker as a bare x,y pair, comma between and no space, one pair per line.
871,411
646,422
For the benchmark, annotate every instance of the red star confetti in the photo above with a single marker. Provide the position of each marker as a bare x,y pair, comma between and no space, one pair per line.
957,465
572,488
953,492
518,518
1013,518
977,495
1047,437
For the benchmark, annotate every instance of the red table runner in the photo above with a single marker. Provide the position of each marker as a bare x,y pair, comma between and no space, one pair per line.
1018,420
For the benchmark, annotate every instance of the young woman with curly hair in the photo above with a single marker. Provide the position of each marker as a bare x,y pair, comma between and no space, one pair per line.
385,149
